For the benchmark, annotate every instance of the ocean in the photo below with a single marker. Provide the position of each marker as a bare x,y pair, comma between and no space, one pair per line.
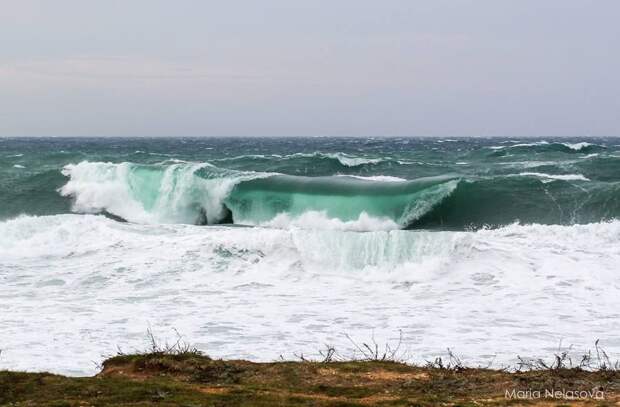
268,248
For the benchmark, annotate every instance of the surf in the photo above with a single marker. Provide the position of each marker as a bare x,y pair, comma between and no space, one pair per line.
210,281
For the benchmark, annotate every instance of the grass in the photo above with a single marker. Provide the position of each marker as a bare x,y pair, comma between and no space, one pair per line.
180,375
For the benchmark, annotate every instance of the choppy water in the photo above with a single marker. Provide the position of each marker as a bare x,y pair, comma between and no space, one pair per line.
260,247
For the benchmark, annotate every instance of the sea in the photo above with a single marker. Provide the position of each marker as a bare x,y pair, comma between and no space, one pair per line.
274,248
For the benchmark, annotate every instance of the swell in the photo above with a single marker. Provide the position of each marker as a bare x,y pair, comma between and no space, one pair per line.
318,163
547,147
200,193
338,158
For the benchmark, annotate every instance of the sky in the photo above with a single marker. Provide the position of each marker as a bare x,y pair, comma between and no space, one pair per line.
544,68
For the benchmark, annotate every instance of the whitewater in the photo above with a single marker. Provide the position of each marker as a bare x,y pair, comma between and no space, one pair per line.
273,248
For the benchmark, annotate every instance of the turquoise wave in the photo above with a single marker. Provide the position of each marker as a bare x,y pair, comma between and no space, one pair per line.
344,198
204,194
200,193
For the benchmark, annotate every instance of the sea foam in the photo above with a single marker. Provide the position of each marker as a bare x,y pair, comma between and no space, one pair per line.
260,292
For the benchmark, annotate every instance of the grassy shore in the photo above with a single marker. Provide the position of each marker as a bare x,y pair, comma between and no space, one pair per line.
188,378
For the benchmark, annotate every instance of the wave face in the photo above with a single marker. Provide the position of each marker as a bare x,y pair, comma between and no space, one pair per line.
346,199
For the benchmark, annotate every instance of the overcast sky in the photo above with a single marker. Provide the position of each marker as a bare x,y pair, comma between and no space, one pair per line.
310,68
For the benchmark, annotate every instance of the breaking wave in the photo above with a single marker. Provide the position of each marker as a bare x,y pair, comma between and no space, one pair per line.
200,193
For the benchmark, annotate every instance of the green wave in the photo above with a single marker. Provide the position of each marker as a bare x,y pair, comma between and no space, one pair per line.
344,198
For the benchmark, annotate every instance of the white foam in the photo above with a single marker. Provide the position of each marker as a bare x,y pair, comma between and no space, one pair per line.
344,159
74,287
168,195
99,186
18,166
378,178
578,146
321,221
538,143
251,156
351,161
573,146
551,177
